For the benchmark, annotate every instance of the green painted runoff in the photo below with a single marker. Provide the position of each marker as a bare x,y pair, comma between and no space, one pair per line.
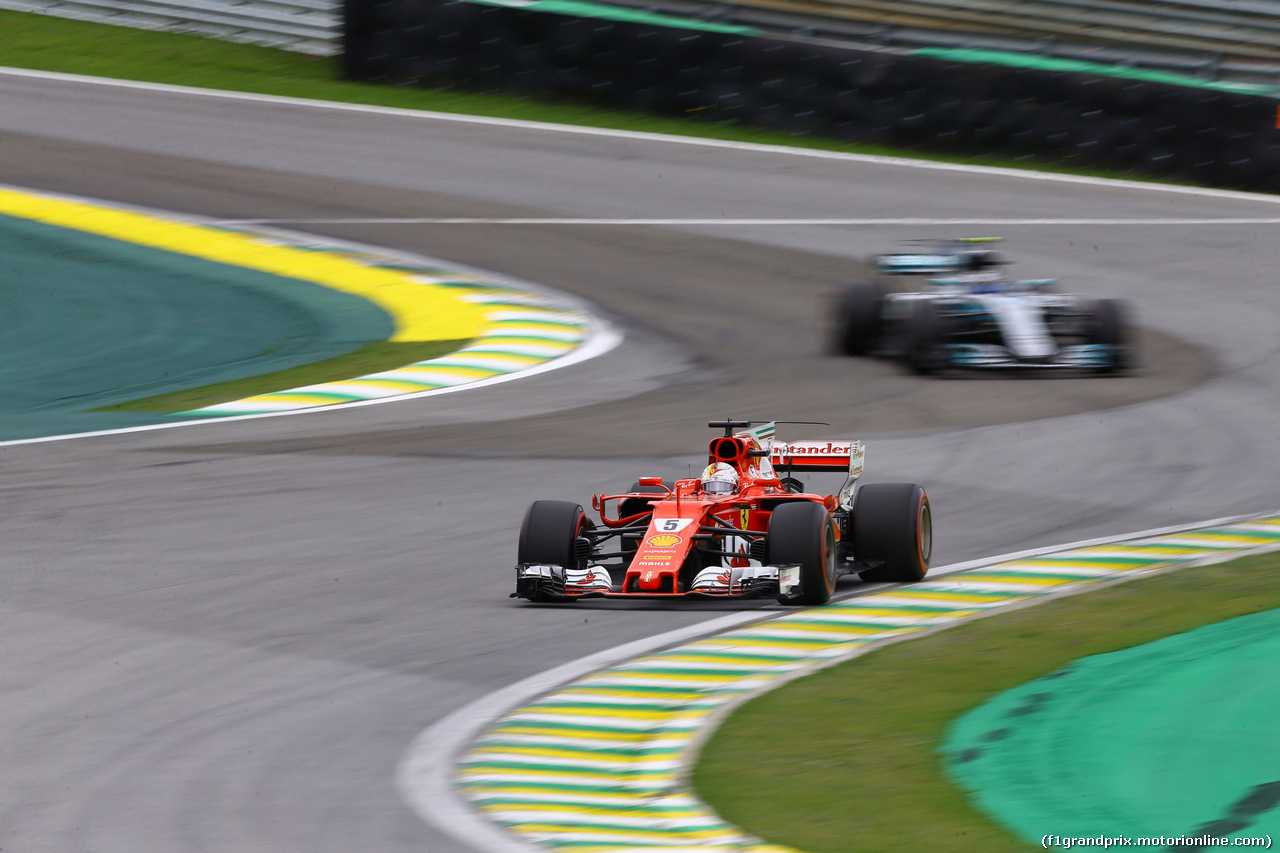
1170,738
91,321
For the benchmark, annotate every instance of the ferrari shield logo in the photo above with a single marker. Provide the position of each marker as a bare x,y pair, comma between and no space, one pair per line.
743,514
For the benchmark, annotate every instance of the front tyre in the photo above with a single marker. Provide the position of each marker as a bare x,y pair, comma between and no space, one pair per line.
548,535
926,351
803,532
893,523
859,322
1108,325
628,507
634,506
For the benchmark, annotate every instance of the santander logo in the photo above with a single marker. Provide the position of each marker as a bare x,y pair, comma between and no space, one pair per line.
815,448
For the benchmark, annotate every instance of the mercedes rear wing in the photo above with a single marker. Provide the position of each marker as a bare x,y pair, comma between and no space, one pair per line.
918,264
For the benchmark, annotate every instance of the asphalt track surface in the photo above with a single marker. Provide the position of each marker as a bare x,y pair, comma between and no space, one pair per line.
225,636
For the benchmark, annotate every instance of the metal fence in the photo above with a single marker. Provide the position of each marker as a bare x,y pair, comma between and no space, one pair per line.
305,26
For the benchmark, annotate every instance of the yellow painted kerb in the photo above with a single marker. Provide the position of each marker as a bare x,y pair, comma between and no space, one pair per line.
421,312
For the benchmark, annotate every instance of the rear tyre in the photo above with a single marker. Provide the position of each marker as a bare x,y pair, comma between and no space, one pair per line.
803,532
892,522
858,319
548,532
1109,325
925,352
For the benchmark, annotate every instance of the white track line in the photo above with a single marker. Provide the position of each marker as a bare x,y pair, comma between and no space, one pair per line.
759,222
425,776
669,139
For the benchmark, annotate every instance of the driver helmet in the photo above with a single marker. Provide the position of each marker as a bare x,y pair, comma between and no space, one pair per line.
719,478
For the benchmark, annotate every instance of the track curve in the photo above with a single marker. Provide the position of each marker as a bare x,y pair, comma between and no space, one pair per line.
226,637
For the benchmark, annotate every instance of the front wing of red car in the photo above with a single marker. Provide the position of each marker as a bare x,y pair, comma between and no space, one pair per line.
552,582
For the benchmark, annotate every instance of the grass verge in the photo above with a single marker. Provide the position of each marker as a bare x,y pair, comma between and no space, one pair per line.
370,358
47,43
845,759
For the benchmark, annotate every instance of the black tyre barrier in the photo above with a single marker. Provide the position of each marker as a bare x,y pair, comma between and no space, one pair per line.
860,95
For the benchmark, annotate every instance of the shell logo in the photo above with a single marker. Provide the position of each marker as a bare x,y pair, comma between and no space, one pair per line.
664,540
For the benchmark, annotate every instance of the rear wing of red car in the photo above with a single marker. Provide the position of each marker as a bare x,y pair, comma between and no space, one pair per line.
838,457
819,456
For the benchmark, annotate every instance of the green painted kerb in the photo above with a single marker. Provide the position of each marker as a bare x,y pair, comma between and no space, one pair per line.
1174,737
90,321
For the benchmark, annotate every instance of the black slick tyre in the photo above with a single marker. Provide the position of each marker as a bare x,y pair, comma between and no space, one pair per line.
548,532
892,523
803,532
634,506
925,353
628,507
1108,325
858,319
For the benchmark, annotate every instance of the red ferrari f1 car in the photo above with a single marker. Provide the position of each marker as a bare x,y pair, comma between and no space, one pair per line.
744,529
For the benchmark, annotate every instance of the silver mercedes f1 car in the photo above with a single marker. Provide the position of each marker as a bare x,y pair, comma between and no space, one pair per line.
971,315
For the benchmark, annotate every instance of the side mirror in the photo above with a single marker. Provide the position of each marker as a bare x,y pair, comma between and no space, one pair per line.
650,481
